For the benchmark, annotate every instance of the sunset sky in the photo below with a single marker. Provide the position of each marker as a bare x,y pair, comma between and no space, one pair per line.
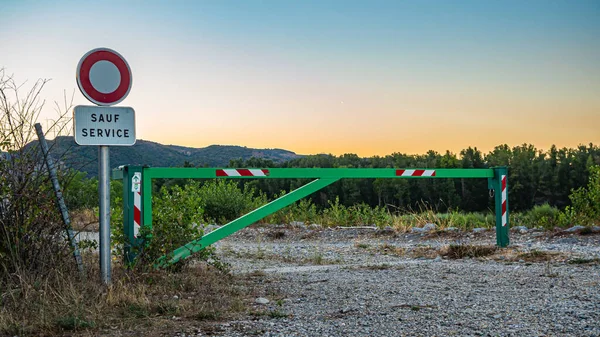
364,77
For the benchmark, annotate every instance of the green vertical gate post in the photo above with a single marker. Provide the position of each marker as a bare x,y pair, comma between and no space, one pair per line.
499,183
132,216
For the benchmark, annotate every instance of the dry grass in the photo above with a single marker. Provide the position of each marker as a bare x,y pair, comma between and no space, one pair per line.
415,252
85,220
424,252
537,256
62,302
387,249
581,260
471,251
275,234
401,226
361,245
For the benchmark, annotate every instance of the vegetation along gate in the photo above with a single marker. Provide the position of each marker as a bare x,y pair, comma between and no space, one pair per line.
137,195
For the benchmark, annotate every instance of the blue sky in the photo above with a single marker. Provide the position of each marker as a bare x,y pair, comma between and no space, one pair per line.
366,77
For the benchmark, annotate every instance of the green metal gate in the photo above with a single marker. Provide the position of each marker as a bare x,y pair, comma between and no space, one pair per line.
137,200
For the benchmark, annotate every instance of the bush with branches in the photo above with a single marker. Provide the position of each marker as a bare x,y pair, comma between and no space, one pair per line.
31,232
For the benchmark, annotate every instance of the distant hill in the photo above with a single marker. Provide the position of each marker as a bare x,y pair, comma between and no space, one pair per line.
85,158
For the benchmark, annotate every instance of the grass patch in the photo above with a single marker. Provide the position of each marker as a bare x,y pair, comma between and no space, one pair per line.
256,273
386,249
536,256
74,322
276,234
471,251
55,303
424,252
581,260
383,266
208,315
586,231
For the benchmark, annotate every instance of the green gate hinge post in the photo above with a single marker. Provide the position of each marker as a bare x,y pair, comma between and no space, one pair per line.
499,183
244,221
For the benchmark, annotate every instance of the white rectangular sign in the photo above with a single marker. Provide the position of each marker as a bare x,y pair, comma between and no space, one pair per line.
108,126
136,182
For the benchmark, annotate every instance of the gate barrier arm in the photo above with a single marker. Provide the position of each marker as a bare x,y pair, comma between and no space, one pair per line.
138,209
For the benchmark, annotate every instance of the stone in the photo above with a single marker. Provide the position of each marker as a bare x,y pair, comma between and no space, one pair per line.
479,230
451,229
314,226
574,229
437,259
261,300
297,224
429,227
521,229
596,229
210,228
569,241
175,297
417,230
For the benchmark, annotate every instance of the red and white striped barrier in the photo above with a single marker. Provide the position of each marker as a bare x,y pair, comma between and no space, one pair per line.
137,213
242,173
415,173
504,195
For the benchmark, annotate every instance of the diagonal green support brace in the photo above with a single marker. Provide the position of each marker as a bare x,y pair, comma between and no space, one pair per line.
244,221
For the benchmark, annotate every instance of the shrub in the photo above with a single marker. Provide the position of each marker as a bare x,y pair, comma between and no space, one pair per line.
177,219
543,215
31,231
585,203
336,214
81,192
179,215
224,201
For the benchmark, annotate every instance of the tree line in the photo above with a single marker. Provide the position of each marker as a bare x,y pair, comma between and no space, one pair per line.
535,177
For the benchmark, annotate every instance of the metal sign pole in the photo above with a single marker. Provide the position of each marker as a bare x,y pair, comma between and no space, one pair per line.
104,192
104,125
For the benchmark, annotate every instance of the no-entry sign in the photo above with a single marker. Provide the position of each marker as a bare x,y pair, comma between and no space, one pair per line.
104,76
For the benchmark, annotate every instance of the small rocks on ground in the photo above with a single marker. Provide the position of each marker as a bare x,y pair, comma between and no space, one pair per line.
261,300
521,229
429,227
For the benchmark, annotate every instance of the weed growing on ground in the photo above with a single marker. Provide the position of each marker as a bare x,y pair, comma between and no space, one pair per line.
387,248
471,251
276,234
581,260
424,252
383,266
536,256
69,303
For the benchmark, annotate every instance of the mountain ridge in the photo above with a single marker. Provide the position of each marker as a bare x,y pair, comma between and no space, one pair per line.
154,154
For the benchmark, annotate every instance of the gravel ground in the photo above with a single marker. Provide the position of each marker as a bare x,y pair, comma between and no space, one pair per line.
366,282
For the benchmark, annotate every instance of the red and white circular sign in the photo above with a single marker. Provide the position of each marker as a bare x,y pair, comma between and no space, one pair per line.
103,76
